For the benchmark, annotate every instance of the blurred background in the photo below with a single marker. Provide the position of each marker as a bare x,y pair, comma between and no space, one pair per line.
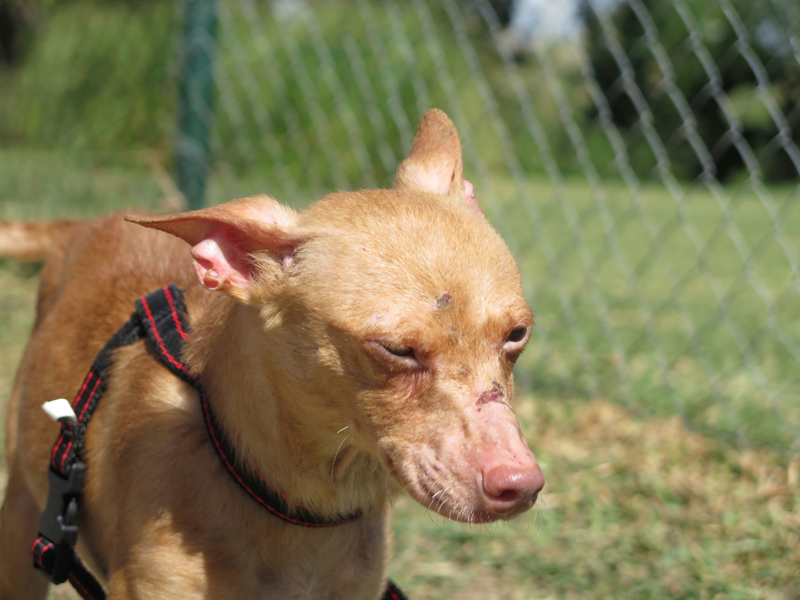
641,160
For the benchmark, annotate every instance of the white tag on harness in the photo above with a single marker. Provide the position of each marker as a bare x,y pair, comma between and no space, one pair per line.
59,409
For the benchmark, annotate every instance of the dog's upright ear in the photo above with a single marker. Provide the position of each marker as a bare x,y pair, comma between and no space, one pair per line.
229,241
435,164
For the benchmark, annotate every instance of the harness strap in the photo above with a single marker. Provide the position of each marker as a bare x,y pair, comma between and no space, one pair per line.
45,554
69,446
161,318
393,592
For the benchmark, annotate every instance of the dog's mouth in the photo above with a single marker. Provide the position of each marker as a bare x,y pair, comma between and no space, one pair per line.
461,495
447,501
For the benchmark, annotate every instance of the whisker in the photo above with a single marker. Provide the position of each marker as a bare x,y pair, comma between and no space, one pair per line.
433,499
335,456
433,513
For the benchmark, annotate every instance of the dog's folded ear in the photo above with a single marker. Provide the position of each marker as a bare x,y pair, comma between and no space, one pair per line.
435,164
234,242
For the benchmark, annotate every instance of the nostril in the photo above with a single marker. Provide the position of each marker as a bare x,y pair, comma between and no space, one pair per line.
506,496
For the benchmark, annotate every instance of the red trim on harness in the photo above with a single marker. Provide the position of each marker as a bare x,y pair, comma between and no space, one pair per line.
174,311
161,345
94,389
79,588
80,418
74,406
55,449
83,388
36,542
64,457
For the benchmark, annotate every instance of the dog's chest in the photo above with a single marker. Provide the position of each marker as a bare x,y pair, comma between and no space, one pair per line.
346,564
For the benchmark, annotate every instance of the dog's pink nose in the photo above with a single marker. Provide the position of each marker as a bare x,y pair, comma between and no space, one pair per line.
512,489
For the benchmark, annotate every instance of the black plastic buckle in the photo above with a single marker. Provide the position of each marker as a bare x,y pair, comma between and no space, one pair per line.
58,523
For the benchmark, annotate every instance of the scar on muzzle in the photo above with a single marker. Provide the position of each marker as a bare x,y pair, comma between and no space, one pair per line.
493,395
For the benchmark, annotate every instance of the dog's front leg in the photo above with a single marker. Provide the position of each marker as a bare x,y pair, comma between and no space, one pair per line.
162,568
18,520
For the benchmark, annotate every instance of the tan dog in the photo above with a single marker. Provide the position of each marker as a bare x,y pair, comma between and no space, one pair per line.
358,348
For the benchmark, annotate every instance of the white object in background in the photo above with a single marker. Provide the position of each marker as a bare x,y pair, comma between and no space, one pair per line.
59,409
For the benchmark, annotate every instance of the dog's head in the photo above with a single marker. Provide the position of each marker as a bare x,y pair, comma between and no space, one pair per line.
401,312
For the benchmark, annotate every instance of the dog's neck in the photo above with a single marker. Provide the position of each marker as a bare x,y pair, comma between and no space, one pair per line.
281,431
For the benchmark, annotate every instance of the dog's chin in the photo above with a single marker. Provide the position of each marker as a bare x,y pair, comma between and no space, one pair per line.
462,505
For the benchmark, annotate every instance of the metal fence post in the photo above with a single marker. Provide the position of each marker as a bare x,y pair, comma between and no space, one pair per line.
195,99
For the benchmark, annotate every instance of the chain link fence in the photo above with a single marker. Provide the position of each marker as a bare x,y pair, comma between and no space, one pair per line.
640,157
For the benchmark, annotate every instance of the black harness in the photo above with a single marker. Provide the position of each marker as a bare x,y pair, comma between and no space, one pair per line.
161,318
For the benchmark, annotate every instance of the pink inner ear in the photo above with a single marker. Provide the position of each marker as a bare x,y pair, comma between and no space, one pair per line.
220,261
470,200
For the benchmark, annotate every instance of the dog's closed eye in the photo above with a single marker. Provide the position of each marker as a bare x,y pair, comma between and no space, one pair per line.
394,355
398,350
